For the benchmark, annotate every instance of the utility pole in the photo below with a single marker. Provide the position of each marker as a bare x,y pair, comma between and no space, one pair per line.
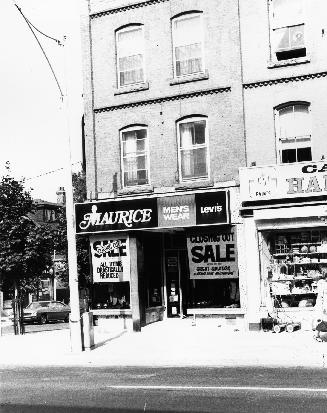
75,317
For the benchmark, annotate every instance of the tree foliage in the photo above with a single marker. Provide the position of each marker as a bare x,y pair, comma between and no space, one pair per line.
25,247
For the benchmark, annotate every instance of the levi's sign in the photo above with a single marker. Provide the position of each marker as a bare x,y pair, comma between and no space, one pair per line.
305,179
164,212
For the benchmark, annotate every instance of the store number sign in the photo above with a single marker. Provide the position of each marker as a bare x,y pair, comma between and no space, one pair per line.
213,255
110,258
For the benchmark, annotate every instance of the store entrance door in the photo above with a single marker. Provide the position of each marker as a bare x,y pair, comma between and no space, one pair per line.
176,276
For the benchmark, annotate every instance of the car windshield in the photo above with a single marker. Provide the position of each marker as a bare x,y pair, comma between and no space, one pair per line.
35,306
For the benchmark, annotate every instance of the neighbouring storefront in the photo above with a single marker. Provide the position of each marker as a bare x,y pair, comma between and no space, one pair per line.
285,222
168,256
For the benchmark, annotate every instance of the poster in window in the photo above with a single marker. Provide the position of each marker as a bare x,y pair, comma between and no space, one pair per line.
110,258
213,254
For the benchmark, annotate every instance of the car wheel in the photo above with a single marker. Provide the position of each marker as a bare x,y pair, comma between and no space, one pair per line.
43,319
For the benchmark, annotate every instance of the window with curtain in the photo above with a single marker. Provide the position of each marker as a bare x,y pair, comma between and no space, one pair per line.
188,44
130,55
135,169
293,127
193,149
287,29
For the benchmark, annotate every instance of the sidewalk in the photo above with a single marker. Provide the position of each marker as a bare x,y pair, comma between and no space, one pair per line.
171,342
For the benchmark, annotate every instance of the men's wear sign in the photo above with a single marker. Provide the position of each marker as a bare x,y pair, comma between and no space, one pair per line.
176,211
213,255
110,258
303,179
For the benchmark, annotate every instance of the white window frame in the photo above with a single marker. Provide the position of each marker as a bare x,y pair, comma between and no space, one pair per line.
187,16
303,141
205,145
291,22
146,151
130,28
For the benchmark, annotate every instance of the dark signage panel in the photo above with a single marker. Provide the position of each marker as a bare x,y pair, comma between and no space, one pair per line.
211,208
116,215
176,211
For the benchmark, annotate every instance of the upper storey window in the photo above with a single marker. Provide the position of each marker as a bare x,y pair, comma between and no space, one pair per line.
188,44
293,127
135,165
287,29
130,55
193,148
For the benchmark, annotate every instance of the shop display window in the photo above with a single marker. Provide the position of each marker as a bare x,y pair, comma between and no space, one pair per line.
111,295
294,261
222,293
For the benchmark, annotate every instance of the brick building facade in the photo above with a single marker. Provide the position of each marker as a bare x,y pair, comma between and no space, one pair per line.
180,94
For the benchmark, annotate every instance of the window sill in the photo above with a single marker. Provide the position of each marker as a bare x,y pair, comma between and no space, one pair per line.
131,88
182,186
289,62
189,78
135,190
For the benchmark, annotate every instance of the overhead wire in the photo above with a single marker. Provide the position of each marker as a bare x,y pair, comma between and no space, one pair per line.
31,26
50,172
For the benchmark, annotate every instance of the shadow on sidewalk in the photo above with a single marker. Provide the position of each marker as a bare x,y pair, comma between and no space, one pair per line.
103,342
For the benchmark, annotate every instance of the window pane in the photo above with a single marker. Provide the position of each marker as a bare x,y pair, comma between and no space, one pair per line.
281,39
288,155
187,30
130,42
186,135
301,123
294,121
199,135
287,12
297,36
141,162
134,157
304,154
194,163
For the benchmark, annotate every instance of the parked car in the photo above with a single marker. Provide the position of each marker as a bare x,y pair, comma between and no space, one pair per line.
45,311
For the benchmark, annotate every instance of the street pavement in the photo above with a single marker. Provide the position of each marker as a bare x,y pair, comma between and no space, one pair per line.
169,343
162,389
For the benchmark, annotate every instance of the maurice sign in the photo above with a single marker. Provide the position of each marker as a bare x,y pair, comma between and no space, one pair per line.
109,216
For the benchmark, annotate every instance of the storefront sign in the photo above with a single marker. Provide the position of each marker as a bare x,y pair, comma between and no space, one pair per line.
213,255
116,215
283,181
211,208
205,208
110,258
174,211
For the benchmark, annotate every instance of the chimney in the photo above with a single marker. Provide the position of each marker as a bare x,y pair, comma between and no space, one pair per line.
61,195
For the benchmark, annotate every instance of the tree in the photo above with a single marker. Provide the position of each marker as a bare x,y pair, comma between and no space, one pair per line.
25,247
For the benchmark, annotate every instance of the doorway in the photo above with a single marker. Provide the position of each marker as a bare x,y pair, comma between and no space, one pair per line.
177,274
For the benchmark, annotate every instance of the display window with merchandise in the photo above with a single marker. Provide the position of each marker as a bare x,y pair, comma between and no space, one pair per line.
293,261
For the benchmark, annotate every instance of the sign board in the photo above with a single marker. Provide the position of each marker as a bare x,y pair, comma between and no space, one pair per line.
304,179
171,211
176,211
116,215
213,254
110,258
